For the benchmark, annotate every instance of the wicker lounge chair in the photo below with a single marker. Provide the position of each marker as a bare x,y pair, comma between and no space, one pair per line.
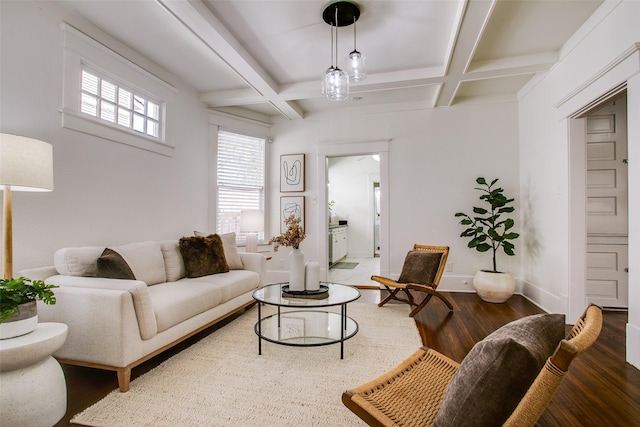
421,272
411,393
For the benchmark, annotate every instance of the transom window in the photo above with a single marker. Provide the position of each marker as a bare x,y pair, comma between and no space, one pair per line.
106,100
241,177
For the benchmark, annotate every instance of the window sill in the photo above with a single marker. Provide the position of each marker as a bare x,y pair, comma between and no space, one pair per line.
80,123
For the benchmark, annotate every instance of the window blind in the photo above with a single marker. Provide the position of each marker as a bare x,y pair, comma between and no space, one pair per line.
241,176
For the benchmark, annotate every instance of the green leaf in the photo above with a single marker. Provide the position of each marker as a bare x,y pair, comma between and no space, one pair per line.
484,247
466,221
480,211
481,181
511,236
508,248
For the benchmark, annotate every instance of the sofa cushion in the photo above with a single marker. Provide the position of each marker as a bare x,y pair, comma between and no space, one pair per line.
231,284
498,370
144,259
230,249
203,255
79,261
173,302
420,267
173,263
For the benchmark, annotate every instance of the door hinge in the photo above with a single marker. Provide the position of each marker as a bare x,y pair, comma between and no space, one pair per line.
625,161
626,270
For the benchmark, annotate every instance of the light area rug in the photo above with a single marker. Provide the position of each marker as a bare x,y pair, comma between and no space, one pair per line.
222,381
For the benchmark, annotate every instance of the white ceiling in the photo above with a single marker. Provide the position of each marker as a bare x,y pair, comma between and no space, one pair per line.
267,56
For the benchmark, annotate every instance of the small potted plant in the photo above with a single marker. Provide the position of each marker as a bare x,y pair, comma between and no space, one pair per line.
489,230
18,309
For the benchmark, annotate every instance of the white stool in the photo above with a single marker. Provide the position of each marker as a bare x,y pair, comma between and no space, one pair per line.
34,391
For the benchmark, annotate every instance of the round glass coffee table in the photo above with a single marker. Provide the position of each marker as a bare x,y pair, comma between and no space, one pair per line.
305,326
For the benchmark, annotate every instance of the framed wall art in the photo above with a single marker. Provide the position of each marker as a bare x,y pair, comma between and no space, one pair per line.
291,173
291,205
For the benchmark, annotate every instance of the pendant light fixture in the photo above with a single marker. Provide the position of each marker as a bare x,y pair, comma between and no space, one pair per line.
356,65
335,83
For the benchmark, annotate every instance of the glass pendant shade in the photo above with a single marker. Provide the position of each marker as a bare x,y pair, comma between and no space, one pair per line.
356,66
336,84
325,81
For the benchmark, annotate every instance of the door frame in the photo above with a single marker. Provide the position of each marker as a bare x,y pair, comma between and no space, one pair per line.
324,151
623,71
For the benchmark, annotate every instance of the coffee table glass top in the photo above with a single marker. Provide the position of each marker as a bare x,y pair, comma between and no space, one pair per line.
338,294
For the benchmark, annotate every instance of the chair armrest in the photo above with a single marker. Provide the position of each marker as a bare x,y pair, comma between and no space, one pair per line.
255,262
137,289
40,273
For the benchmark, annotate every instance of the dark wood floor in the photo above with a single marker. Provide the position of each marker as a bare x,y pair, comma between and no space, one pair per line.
600,390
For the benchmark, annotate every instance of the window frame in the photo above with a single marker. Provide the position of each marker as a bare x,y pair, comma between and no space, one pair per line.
117,105
82,51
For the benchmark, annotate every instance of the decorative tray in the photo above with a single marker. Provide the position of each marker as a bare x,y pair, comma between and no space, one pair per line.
321,293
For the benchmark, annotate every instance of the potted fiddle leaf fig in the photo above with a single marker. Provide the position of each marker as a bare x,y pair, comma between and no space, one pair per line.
18,310
490,228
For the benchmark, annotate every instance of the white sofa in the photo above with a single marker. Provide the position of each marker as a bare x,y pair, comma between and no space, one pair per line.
116,324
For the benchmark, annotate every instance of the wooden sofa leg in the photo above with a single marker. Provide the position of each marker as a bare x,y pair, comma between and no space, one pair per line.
124,377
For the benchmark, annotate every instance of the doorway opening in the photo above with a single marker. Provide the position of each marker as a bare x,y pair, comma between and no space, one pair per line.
351,191
607,281
327,151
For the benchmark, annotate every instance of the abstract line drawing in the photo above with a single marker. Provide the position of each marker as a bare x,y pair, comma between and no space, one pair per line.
291,172
291,205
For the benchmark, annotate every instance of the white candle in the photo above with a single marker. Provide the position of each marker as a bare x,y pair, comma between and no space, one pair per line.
312,276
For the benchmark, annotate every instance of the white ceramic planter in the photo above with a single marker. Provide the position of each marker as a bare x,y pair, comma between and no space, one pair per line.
494,287
22,322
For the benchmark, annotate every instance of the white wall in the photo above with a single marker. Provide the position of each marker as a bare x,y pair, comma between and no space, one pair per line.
600,56
433,164
105,192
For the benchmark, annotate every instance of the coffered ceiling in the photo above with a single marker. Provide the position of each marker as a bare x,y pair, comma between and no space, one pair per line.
267,56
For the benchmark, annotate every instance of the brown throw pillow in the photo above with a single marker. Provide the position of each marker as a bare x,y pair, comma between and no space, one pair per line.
498,370
112,265
203,255
420,267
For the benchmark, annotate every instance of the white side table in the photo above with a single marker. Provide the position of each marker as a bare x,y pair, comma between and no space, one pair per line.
33,390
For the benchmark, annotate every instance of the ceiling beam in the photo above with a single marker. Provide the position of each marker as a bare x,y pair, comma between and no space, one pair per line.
207,27
472,25
311,89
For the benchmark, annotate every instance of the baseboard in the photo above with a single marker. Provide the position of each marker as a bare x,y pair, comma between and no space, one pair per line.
544,299
633,345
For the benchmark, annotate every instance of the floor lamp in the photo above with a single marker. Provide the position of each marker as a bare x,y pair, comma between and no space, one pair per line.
26,164
252,223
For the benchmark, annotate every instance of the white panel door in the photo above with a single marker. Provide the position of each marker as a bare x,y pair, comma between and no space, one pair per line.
607,275
607,170
607,217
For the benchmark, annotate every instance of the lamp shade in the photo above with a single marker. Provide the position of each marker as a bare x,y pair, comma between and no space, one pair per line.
251,221
26,164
